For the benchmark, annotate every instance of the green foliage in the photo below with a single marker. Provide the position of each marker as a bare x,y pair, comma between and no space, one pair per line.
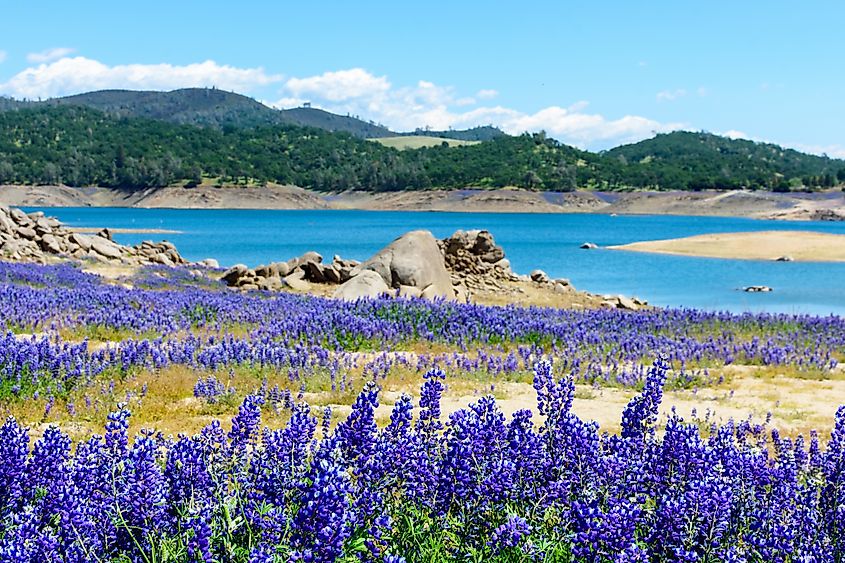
695,161
78,146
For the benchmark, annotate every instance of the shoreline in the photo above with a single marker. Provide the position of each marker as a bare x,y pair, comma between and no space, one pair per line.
124,231
821,206
781,246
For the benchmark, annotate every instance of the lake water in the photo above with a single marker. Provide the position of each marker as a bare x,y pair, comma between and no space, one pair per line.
546,241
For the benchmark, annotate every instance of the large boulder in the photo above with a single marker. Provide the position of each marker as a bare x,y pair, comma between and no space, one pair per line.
415,260
367,283
82,241
105,247
7,225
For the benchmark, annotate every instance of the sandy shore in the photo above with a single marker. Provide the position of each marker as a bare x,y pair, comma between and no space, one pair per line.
759,205
765,245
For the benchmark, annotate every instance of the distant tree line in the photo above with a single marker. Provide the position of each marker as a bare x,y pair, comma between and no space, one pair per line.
79,146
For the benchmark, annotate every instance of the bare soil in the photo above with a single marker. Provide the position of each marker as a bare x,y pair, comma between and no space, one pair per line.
739,203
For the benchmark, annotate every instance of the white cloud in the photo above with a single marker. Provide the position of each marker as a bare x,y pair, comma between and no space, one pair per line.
833,151
487,94
3,55
671,95
72,75
735,134
339,86
49,55
426,104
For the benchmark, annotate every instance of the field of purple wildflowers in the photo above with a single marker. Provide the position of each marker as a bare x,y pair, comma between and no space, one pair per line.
542,485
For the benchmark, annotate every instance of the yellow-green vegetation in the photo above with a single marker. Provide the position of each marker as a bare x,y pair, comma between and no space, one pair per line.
404,142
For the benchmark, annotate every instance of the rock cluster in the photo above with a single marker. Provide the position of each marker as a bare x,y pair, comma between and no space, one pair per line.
826,215
475,262
294,273
415,265
622,302
34,237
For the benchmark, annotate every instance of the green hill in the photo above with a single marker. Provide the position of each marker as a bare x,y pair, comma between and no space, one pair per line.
196,106
79,146
52,143
206,107
687,160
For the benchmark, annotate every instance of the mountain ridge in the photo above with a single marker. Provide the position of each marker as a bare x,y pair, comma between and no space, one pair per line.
220,108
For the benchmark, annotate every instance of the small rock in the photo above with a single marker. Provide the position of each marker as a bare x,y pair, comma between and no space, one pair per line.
626,303
785,258
331,274
539,276
105,248
233,274
589,246
50,244
83,241
210,263
280,268
27,233
272,284
296,281
560,288
757,289
366,284
264,271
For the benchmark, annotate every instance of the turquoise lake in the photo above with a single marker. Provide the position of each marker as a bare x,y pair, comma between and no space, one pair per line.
546,241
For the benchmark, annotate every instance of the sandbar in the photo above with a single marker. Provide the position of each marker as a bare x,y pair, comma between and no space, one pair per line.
800,246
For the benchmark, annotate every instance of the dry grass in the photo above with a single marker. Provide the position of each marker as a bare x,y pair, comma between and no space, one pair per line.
404,142
164,400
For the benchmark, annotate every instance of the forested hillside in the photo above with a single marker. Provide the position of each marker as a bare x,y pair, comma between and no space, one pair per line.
689,160
78,146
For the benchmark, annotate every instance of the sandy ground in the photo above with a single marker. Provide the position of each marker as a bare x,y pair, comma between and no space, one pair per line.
764,245
828,205
794,405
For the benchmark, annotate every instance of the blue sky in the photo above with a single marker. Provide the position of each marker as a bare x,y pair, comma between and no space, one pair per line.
593,74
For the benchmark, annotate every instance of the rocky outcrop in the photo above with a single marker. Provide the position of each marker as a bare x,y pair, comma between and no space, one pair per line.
622,302
416,265
35,238
476,263
297,273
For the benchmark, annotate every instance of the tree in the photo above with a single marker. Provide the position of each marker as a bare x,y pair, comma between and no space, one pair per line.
7,172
